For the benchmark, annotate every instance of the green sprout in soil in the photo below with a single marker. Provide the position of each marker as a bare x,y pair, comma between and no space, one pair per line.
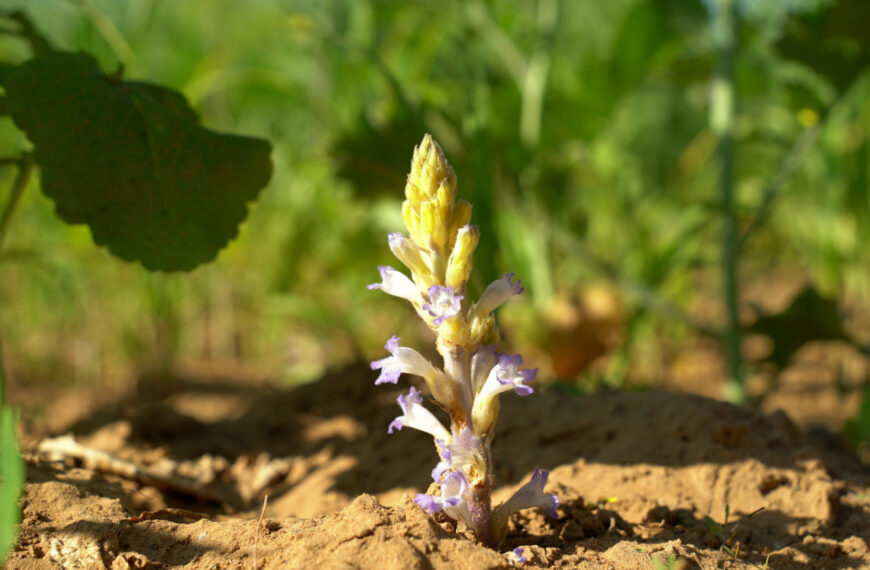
671,562
437,251
727,533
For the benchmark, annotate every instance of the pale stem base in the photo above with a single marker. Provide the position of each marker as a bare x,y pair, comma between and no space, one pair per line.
479,500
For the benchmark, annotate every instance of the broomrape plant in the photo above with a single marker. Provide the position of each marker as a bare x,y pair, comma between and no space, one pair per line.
437,251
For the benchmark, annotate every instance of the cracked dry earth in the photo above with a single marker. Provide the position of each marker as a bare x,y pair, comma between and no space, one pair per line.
637,473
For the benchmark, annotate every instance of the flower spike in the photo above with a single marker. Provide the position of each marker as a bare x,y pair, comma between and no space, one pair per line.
437,250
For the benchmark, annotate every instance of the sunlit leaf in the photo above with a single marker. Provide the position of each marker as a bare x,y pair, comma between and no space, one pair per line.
129,160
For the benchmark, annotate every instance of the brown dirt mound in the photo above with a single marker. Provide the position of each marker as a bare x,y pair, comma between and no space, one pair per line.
637,473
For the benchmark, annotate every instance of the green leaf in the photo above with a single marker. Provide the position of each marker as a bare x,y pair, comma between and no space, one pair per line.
714,527
172,101
129,160
11,481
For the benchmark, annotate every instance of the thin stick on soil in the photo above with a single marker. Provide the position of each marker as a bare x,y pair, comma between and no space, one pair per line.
168,511
66,447
257,530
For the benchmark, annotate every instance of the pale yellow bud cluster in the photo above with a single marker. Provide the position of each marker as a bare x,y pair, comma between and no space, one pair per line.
440,242
437,223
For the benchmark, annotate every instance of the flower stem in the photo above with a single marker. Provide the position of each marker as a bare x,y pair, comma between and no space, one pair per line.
478,497
480,506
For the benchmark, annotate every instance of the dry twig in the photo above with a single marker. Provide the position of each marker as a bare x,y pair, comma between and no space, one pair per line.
257,530
171,511
66,447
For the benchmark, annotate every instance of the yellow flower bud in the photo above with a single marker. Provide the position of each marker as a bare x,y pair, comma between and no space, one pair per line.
482,330
459,263
445,196
460,216
429,169
440,387
412,192
428,221
452,332
484,414
410,217
410,255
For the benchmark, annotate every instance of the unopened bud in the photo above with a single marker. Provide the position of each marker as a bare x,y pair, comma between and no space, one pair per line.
460,216
459,262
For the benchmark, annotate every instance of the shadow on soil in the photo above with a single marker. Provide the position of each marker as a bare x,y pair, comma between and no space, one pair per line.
345,413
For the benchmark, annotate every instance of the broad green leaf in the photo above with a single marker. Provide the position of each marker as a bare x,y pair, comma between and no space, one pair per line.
172,101
11,481
129,160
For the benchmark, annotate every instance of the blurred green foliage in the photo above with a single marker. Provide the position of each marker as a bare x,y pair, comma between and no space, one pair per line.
578,129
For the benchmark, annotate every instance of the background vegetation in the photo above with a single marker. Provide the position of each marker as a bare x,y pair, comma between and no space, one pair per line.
580,130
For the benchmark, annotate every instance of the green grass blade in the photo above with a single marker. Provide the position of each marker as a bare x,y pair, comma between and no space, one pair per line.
11,481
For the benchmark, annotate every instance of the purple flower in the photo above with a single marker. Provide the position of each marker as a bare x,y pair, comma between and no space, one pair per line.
516,556
398,284
497,293
452,489
418,417
508,373
531,495
463,451
501,378
443,303
402,359
445,463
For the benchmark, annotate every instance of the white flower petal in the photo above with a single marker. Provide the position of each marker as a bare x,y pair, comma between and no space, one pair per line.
398,284
497,293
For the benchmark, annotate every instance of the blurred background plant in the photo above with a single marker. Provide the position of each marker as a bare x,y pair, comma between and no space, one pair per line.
128,159
581,132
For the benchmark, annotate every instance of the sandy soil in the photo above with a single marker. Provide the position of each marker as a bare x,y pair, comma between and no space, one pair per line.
637,473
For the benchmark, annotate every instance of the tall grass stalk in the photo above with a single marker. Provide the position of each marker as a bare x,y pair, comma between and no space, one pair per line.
11,464
722,110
